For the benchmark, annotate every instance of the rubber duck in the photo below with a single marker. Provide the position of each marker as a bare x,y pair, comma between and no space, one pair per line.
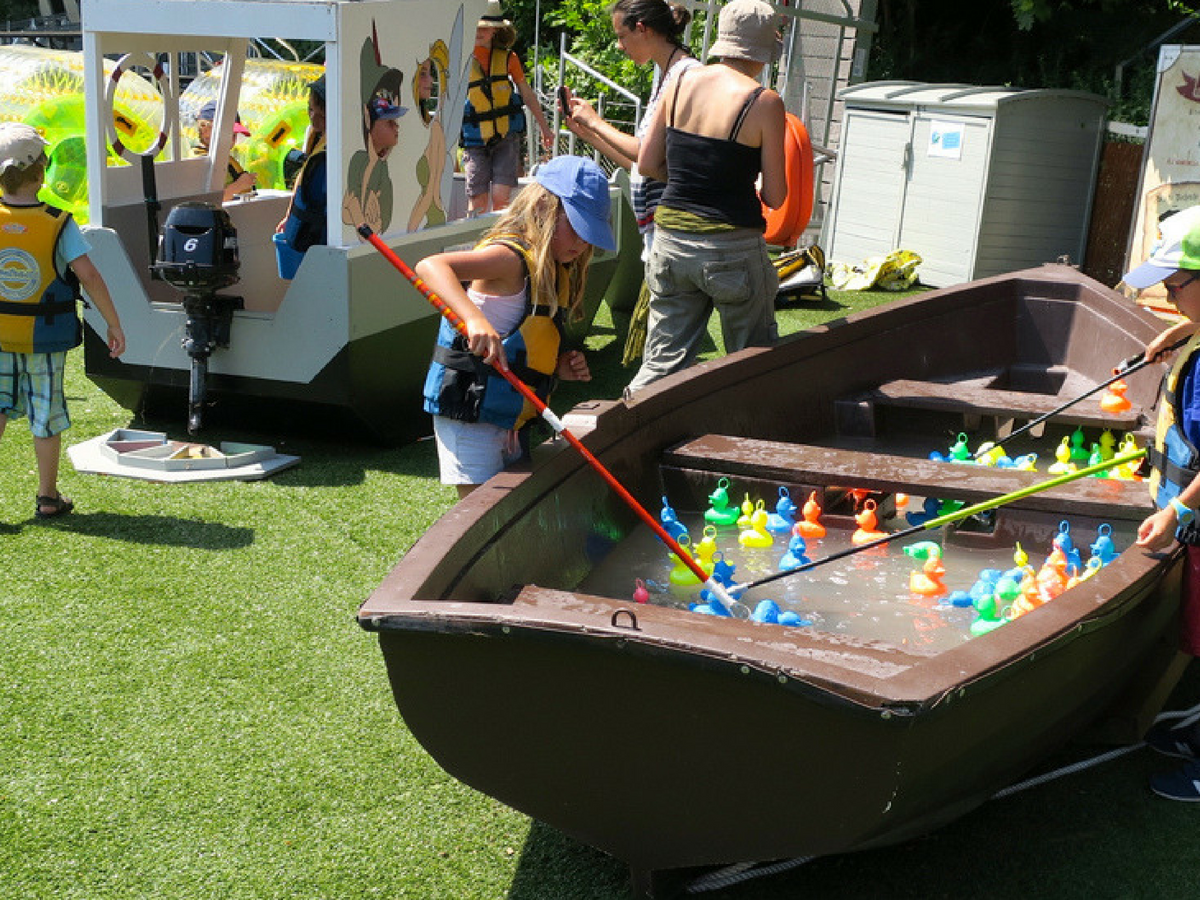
923,549
680,573
784,518
959,599
719,511
794,558
1108,444
670,521
640,593
766,611
927,581
1103,548
1008,591
706,548
1129,471
1114,399
810,528
990,454
900,499
1026,463
960,452
722,570
1062,541
985,583
1062,454
743,521
1051,581
868,525
757,535
929,510
793,619
989,614
1096,458
1091,568
1079,451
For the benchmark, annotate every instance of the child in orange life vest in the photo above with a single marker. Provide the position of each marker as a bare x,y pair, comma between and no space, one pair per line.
1175,479
493,120
46,262
529,269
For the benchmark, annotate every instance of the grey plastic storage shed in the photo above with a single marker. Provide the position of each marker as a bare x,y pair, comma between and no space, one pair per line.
977,180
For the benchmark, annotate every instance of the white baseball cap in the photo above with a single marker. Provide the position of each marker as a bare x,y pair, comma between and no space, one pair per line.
20,145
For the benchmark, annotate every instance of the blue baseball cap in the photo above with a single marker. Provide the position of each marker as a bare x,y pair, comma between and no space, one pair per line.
383,108
582,187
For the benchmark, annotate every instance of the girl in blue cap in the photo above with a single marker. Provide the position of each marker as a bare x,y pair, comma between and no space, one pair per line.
521,279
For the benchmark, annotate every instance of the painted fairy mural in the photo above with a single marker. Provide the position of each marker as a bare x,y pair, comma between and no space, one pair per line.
368,196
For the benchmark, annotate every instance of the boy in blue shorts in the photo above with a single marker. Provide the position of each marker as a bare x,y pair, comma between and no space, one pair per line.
43,261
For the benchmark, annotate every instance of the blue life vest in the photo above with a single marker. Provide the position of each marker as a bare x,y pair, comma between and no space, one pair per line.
37,302
1174,458
305,224
460,385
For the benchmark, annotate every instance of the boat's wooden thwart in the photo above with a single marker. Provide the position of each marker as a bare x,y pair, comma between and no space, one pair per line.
535,693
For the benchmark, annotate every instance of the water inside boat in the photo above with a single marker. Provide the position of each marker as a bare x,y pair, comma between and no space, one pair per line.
865,595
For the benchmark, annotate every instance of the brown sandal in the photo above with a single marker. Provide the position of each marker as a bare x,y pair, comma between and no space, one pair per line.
59,506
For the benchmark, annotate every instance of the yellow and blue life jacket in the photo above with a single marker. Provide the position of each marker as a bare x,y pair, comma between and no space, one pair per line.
493,107
460,385
37,302
1174,458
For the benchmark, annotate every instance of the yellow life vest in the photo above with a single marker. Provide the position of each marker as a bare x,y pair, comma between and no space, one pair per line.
37,304
493,107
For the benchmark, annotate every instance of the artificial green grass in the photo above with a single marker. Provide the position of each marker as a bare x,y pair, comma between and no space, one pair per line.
189,710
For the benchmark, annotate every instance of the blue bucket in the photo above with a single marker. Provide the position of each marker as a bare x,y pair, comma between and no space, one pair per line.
287,258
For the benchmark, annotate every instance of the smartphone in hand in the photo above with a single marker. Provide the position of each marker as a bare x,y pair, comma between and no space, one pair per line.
564,100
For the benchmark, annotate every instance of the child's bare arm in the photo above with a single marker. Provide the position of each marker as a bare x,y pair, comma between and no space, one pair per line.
97,291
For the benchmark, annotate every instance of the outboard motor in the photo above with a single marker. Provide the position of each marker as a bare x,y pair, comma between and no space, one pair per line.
198,254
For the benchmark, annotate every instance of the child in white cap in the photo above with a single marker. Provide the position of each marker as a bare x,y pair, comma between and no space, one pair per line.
43,261
1175,461
522,278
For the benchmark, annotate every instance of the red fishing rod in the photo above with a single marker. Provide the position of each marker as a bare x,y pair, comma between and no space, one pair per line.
551,419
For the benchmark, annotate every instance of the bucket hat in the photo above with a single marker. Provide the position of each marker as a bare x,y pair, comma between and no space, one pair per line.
494,17
20,145
583,189
748,29
1178,248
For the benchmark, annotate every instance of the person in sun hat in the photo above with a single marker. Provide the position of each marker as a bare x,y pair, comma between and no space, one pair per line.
527,273
1174,460
43,261
715,131
494,114
237,179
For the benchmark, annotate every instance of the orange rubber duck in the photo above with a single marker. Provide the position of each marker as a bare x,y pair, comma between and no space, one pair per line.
810,526
868,525
927,580
1114,399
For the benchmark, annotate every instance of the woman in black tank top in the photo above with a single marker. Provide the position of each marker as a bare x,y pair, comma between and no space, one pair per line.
715,131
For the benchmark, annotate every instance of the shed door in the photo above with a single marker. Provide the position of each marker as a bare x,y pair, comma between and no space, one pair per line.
870,195
945,195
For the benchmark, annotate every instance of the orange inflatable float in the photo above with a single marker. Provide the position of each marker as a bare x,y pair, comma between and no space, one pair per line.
786,224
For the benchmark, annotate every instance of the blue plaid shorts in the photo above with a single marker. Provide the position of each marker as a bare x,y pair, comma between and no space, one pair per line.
31,384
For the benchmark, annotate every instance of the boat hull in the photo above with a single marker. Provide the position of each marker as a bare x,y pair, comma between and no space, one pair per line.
671,739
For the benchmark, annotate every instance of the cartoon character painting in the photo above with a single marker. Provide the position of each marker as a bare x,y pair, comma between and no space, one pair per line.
429,89
368,195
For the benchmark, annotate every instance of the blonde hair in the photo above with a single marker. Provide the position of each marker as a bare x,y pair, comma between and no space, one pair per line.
533,216
16,177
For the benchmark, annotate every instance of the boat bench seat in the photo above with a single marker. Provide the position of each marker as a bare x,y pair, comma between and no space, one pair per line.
973,402
691,469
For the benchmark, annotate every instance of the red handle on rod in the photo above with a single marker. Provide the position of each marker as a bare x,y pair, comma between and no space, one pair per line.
544,411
